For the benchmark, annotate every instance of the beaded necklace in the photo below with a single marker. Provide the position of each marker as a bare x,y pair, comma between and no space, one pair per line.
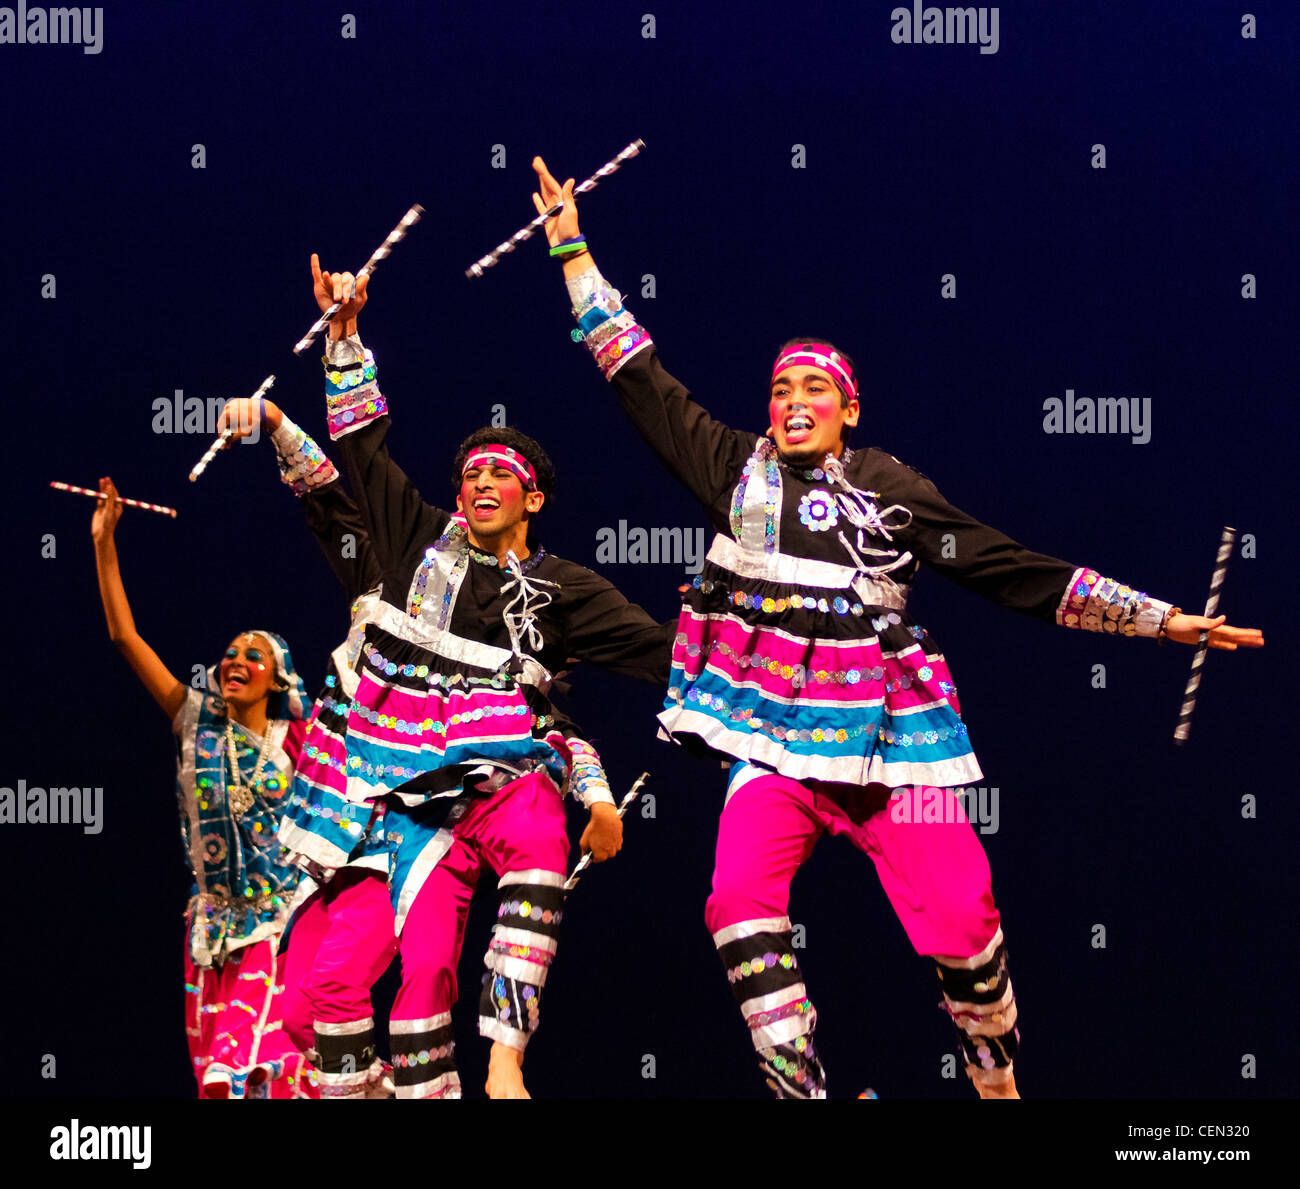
238,795
816,474
448,541
487,559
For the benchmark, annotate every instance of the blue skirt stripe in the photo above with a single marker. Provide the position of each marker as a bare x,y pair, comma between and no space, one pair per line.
918,737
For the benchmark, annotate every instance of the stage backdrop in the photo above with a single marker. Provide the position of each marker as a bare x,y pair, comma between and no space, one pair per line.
1075,202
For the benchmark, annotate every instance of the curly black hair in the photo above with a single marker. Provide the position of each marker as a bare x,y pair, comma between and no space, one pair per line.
504,435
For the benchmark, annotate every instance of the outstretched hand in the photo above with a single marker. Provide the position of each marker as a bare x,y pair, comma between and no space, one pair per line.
565,224
1187,629
107,513
329,288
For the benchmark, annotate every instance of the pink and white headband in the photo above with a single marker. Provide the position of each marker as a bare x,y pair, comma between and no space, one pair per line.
818,355
493,455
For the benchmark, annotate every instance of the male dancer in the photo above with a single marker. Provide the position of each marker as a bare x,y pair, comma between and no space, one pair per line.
451,713
795,659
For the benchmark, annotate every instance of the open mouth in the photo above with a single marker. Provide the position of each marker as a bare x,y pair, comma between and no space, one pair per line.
798,427
485,506
236,681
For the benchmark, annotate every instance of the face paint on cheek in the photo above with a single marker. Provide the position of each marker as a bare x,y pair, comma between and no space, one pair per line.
825,406
512,499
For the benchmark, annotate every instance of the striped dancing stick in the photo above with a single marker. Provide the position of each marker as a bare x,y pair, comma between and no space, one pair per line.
219,443
99,495
527,231
398,233
1184,727
585,861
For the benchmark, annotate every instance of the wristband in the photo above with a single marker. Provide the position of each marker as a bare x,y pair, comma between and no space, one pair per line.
569,247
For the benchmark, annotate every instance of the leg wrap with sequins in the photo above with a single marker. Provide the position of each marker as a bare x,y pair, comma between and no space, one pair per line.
424,1057
344,1055
977,995
520,954
767,983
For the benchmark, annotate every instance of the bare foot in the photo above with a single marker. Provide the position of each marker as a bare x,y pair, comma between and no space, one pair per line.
505,1072
1005,1089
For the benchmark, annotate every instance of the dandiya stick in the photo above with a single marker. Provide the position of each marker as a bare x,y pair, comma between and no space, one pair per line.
101,495
528,230
1184,727
585,861
219,443
395,236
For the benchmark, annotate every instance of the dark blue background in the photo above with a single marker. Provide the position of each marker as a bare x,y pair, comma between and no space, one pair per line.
921,160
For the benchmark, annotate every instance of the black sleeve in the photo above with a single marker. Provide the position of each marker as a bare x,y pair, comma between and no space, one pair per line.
565,724
704,454
973,555
398,521
333,517
602,627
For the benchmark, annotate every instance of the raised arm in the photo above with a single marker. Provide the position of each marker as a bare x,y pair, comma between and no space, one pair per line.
397,520
704,454
332,515
340,530
167,691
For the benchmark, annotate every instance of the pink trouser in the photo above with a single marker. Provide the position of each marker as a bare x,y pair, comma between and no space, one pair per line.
237,1042
519,832
341,943
935,874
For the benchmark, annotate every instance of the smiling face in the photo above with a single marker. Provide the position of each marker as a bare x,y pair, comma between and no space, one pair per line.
807,414
494,502
247,671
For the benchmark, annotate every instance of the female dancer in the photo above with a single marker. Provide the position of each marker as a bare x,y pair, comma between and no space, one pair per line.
237,739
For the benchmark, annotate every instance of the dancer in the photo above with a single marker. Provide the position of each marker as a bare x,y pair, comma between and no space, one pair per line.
796,660
340,937
451,713
238,739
